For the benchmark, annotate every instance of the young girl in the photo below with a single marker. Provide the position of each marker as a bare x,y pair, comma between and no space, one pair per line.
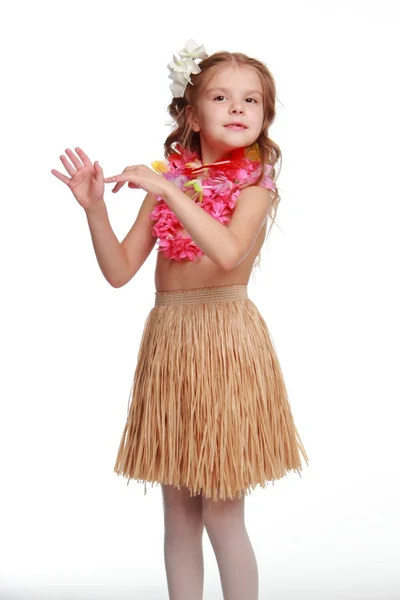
209,416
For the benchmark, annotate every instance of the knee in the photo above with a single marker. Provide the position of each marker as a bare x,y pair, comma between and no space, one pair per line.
223,518
182,514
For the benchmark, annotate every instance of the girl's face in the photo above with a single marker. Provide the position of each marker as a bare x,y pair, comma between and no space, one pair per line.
232,95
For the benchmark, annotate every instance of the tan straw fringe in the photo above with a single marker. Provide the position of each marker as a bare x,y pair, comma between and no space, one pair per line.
208,406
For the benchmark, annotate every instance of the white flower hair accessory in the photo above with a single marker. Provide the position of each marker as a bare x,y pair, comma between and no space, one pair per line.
182,68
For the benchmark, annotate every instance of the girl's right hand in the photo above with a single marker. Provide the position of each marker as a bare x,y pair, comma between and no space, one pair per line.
86,181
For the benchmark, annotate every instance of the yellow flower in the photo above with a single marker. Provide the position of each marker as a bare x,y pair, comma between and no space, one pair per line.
160,166
253,152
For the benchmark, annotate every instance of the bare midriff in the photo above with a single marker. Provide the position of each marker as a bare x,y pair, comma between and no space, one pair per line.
203,272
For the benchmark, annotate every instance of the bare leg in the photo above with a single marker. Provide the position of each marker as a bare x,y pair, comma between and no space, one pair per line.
183,550
224,521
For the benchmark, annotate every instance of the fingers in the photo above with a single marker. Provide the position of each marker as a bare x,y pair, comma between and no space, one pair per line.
116,178
84,157
98,171
75,161
121,180
70,170
118,186
78,164
122,176
60,176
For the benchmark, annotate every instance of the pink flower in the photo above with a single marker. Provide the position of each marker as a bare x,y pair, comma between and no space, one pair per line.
179,248
218,210
162,229
182,158
218,187
220,184
179,180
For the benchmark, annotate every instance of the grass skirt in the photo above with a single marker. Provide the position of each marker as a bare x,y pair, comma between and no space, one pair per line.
208,408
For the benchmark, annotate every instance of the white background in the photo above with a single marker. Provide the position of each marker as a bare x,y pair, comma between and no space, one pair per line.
93,74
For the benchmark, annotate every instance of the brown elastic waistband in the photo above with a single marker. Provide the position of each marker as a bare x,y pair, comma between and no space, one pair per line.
205,294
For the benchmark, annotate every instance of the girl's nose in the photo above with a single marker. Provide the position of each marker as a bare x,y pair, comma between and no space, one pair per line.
237,109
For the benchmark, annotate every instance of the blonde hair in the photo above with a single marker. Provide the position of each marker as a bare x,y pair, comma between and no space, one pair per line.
184,135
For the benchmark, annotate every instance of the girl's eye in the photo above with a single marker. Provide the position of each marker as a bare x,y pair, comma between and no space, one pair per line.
252,100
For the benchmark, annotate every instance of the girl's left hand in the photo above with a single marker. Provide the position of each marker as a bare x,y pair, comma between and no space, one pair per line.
140,176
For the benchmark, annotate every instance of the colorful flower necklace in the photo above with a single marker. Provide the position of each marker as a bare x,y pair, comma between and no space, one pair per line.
216,187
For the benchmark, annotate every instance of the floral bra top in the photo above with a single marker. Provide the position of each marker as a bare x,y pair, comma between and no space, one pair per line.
215,188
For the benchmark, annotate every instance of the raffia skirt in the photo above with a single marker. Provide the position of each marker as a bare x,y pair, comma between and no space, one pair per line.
208,407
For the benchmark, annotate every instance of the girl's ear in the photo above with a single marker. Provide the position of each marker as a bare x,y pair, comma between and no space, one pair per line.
192,119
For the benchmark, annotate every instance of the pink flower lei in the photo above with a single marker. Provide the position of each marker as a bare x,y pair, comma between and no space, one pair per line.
216,187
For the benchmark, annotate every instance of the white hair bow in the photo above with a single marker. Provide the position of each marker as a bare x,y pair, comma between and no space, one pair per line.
182,68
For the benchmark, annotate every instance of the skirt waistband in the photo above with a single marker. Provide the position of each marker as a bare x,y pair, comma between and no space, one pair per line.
204,294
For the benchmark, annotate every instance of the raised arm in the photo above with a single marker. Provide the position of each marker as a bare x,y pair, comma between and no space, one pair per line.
118,261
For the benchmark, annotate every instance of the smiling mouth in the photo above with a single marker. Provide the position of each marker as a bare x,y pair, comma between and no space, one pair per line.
236,127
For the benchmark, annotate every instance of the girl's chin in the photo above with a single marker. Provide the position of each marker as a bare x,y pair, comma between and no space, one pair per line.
231,144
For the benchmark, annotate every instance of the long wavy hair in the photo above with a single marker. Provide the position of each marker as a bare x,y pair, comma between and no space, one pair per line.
183,134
